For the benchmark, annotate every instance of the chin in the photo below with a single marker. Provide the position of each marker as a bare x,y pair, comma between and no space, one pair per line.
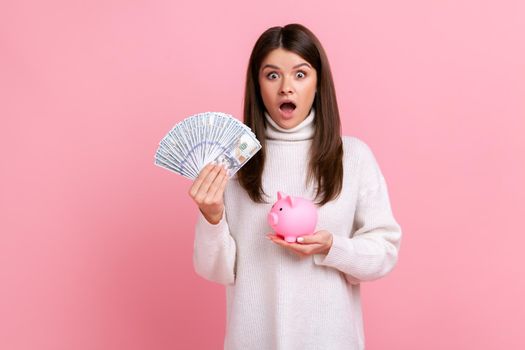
291,123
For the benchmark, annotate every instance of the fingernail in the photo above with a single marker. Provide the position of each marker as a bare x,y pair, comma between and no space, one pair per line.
300,239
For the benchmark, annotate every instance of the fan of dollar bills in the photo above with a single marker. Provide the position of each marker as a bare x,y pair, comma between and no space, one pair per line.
203,138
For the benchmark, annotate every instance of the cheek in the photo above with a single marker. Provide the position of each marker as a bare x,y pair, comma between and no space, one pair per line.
266,92
311,86
267,86
308,93
312,91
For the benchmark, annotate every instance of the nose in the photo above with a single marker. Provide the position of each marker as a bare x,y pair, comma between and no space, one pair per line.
286,86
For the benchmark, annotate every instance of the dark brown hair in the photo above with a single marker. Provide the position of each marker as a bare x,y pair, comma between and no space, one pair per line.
326,152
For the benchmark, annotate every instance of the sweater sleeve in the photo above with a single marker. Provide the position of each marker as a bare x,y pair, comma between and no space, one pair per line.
372,252
214,251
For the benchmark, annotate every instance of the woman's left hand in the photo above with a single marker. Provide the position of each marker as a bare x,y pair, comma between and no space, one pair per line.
319,242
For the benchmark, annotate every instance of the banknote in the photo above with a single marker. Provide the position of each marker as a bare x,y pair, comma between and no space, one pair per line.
238,153
203,138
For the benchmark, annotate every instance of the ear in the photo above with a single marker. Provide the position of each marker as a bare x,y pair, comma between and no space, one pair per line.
290,200
280,195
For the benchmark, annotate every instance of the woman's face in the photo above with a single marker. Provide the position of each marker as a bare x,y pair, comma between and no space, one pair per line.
288,86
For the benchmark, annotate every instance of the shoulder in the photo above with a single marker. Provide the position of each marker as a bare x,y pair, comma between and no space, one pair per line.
352,141
360,155
356,148
364,159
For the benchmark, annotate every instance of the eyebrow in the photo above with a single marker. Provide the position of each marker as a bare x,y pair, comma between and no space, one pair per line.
275,67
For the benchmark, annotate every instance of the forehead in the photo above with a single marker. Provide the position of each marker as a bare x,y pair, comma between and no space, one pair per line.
283,59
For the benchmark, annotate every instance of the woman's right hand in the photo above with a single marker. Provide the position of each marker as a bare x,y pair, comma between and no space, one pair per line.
207,191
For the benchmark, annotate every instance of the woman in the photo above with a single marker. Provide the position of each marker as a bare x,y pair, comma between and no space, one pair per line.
301,295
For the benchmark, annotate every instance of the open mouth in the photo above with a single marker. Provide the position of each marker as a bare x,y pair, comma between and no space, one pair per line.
287,107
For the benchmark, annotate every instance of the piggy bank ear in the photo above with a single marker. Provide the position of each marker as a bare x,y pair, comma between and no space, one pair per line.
280,195
291,201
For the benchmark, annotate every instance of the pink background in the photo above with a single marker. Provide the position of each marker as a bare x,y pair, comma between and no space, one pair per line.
96,241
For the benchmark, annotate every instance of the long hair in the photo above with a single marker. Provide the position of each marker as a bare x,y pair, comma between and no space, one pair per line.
326,152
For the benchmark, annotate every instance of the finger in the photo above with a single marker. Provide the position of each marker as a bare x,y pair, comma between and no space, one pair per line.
294,247
219,185
205,186
273,237
214,193
200,178
309,239
280,241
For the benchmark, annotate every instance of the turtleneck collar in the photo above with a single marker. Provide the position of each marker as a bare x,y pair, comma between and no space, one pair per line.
303,131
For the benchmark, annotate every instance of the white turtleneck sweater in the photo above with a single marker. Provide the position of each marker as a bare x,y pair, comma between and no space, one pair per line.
276,300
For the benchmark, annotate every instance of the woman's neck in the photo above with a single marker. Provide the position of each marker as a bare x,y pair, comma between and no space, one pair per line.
303,131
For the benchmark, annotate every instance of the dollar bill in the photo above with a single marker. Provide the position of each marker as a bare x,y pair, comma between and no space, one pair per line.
238,153
203,138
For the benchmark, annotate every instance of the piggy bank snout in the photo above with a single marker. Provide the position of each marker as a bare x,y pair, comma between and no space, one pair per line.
273,219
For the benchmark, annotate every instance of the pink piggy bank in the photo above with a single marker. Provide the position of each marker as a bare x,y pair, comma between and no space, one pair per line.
292,217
